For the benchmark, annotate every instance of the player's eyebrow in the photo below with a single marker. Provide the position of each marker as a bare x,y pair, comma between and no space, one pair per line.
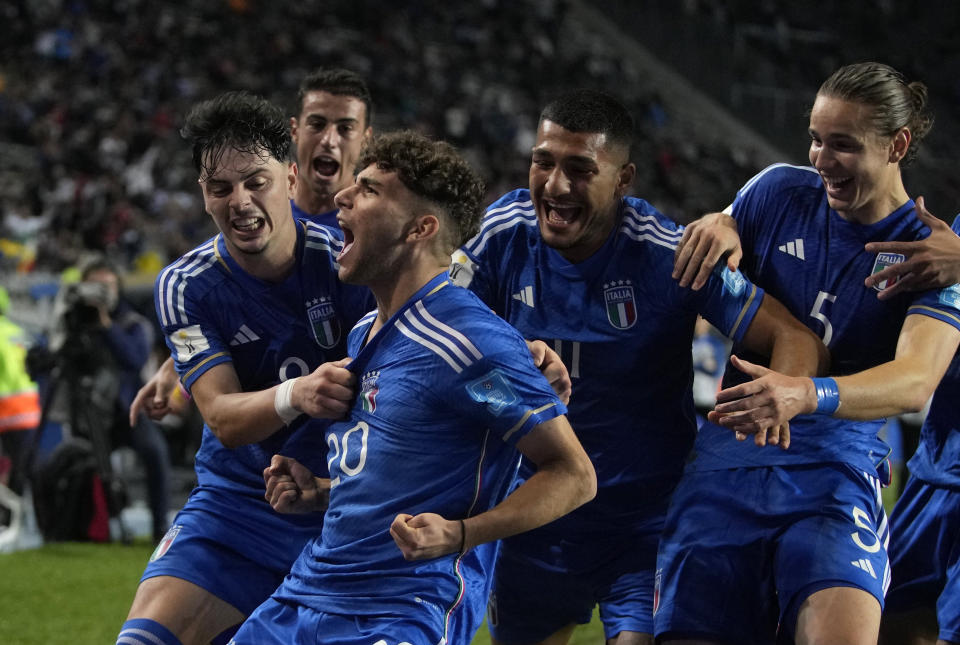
367,182
216,179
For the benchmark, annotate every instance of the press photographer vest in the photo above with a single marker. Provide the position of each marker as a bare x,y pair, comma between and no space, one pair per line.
19,402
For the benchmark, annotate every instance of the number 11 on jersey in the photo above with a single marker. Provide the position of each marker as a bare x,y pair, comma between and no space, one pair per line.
572,358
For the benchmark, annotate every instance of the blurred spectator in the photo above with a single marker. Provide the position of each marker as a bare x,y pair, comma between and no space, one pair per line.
710,351
19,404
94,93
99,345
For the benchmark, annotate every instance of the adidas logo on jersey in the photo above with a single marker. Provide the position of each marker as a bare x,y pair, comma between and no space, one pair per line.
243,336
525,296
794,248
865,565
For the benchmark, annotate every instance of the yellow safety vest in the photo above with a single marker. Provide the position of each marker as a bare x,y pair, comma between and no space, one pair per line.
19,401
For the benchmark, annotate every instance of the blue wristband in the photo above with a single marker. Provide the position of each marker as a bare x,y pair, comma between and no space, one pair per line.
828,395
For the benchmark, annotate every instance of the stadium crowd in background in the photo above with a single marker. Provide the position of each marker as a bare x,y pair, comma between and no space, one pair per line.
93,92
85,167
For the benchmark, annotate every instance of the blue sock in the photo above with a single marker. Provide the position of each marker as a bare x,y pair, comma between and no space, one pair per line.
143,631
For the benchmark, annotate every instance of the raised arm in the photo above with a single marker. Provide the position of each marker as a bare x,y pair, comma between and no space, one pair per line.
564,480
924,351
238,418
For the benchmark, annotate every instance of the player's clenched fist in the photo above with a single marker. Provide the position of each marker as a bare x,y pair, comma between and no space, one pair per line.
427,535
326,392
292,488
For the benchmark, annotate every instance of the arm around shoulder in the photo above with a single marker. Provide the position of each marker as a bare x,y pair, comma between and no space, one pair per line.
705,241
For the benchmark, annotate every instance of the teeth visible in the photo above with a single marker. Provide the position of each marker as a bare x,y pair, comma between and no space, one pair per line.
561,213
834,182
248,223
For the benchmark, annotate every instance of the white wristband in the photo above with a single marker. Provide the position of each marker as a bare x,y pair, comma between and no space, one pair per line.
282,404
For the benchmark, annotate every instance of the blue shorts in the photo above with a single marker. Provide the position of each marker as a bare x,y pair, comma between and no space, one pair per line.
278,623
614,568
925,554
743,548
240,556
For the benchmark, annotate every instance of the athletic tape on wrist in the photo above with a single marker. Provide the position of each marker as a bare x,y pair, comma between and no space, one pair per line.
828,395
282,404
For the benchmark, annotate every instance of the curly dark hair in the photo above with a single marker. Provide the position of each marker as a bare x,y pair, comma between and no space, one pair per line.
235,121
339,82
434,171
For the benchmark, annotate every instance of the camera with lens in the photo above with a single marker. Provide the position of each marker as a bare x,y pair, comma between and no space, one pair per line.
82,302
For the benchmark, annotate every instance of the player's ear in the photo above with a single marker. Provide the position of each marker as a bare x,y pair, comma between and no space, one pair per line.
625,177
423,227
900,144
294,129
292,172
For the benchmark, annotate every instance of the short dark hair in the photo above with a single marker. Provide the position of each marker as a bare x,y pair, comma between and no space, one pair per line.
585,110
434,171
339,82
895,102
96,261
235,121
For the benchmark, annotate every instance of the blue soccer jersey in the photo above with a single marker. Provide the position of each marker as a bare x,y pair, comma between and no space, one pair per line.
623,328
937,460
212,312
329,218
446,389
813,261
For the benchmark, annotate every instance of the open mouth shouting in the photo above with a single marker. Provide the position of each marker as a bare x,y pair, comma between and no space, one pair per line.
248,225
347,242
326,166
559,215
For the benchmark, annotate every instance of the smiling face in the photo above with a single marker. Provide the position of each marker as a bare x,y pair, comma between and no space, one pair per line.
859,167
375,216
329,133
577,180
248,196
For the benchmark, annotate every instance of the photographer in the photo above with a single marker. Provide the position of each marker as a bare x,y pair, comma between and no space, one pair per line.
102,343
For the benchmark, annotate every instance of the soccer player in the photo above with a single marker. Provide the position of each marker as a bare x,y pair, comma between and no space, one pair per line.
333,120
252,318
796,539
575,263
334,110
448,401
923,603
